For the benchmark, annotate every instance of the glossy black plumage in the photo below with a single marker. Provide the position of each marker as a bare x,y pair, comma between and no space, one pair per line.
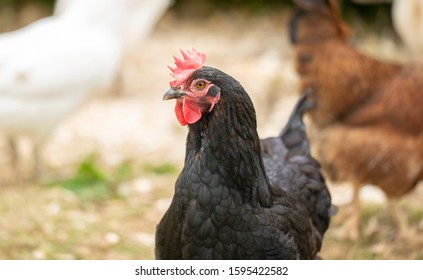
241,198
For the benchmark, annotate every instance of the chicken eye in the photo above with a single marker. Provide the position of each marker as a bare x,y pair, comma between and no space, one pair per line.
200,85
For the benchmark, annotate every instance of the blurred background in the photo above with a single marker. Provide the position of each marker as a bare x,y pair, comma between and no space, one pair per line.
105,173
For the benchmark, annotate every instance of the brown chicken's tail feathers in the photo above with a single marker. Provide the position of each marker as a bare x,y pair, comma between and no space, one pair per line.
293,135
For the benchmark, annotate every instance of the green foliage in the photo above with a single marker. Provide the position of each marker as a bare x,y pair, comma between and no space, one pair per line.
123,172
252,5
371,210
206,7
92,182
376,16
89,181
366,254
19,3
415,215
161,169
49,3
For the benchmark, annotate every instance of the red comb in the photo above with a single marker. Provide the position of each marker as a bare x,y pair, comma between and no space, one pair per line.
193,60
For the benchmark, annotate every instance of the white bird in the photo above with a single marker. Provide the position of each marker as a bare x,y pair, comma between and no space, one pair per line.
143,17
407,17
55,64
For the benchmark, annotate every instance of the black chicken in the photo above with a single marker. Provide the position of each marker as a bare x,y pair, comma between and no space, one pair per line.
237,197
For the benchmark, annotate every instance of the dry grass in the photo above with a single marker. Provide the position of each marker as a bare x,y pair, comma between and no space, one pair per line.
40,222
380,238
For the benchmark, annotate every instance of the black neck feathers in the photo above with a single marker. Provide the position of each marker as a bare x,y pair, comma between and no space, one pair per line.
225,143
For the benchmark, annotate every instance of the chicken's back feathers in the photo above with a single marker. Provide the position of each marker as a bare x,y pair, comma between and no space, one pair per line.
289,164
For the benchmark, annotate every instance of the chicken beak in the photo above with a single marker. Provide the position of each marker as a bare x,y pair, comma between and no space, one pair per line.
173,94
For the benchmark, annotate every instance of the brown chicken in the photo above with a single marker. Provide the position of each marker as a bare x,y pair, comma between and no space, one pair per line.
367,122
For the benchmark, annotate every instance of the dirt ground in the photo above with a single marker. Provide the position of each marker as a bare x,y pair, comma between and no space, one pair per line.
133,125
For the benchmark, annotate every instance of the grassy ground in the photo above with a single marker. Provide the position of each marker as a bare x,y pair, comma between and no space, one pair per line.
89,217
85,216
379,236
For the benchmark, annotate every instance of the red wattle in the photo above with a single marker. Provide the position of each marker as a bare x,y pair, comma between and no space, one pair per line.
191,112
179,113
187,112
